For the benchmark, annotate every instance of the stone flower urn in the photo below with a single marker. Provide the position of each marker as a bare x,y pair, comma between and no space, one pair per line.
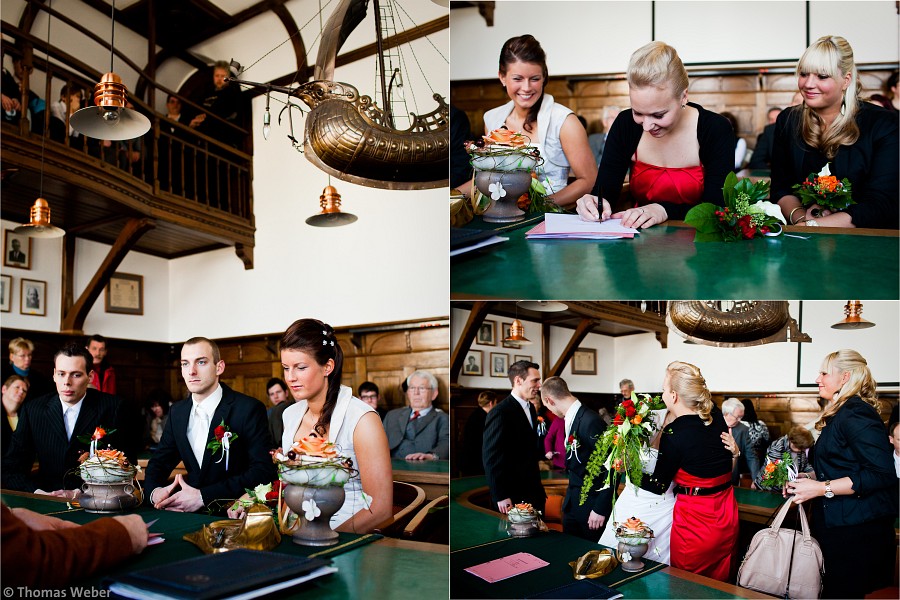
315,505
504,189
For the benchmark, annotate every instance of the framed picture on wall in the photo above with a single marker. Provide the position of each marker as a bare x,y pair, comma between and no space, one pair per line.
5,293
519,357
474,363
125,294
487,333
33,297
505,332
499,364
584,362
16,250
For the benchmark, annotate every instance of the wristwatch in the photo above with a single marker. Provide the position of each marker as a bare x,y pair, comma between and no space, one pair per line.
828,492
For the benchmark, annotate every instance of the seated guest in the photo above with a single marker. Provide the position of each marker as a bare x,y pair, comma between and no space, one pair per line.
894,438
552,127
762,154
368,392
276,390
678,153
597,141
585,520
796,443
471,462
21,352
740,148
14,389
460,168
748,460
758,430
40,551
858,140
328,409
55,429
419,431
156,412
189,436
890,100
104,376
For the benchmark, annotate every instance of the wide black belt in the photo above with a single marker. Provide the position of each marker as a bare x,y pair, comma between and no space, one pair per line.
701,491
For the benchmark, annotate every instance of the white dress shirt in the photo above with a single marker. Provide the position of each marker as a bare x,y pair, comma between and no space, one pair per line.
524,404
570,417
200,421
70,415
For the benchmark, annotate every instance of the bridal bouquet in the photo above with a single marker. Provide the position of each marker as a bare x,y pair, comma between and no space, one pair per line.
778,472
825,190
746,213
621,447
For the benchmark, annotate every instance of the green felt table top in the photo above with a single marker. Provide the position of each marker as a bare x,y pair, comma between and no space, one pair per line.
421,466
664,262
375,570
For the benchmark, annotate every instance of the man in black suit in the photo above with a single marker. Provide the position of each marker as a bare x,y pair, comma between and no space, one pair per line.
583,430
50,426
511,444
16,255
221,435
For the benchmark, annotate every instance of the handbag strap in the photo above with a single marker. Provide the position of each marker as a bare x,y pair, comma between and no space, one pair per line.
787,587
804,524
782,513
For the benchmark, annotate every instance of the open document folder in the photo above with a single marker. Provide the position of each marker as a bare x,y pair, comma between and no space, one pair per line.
572,227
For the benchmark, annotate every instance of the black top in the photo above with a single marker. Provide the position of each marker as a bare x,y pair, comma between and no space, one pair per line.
853,444
762,154
473,438
717,143
587,428
460,132
691,445
871,164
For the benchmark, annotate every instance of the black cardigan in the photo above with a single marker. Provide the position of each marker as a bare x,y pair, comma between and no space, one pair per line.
717,143
871,164
853,444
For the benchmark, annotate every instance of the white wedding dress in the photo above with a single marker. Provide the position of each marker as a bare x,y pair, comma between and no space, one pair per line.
653,509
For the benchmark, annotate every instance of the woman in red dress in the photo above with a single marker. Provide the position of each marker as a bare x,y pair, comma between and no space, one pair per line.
705,518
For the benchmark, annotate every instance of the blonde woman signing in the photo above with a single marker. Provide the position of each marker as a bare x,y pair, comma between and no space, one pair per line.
679,153
552,127
854,495
650,502
832,125
691,454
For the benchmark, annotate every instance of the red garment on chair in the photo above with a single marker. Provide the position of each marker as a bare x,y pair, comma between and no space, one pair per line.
650,184
704,528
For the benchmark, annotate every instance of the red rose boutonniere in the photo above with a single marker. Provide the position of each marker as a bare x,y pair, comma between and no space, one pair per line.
541,426
222,440
572,445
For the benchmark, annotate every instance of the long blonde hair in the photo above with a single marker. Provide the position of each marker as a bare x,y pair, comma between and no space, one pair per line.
860,383
831,55
657,65
686,380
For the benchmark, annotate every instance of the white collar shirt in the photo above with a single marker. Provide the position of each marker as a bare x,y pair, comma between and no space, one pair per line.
570,417
200,420
70,415
524,404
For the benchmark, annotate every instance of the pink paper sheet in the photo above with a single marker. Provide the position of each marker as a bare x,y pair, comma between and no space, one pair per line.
506,567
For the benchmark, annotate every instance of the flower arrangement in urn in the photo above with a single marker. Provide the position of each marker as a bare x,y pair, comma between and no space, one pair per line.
523,520
506,165
634,537
108,477
747,213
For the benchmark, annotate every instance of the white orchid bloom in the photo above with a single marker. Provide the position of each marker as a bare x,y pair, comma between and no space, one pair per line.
496,190
772,210
310,509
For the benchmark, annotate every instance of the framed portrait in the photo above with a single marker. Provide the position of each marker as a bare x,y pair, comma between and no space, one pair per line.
584,362
499,364
474,363
487,333
519,357
33,297
16,250
125,294
5,293
504,328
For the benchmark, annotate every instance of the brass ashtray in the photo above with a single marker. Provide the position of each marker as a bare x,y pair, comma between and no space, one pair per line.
595,563
256,531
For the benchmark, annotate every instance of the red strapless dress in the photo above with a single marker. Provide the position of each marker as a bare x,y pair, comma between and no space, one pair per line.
704,528
650,184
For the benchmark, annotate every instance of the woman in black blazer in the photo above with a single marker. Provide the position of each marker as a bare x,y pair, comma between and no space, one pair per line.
858,139
14,390
854,492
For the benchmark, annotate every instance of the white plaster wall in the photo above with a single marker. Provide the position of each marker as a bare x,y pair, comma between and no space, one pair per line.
46,265
753,369
594,37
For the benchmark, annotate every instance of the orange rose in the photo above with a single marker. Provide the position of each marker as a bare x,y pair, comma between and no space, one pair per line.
770,468
314,445
637,420
828,183
506,137
524,506
634,524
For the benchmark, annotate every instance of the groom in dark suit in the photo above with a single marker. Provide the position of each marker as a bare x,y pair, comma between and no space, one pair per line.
213,412
50,425
511,447
583,430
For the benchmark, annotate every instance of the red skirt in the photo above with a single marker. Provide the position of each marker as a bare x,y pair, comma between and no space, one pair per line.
704,528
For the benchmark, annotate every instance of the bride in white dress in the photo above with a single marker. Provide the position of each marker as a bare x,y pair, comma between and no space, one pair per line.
655,509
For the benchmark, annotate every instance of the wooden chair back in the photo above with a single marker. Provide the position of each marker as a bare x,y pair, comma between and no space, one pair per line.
431,523
408,499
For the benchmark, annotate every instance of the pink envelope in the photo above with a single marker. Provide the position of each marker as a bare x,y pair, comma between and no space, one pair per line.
506,567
